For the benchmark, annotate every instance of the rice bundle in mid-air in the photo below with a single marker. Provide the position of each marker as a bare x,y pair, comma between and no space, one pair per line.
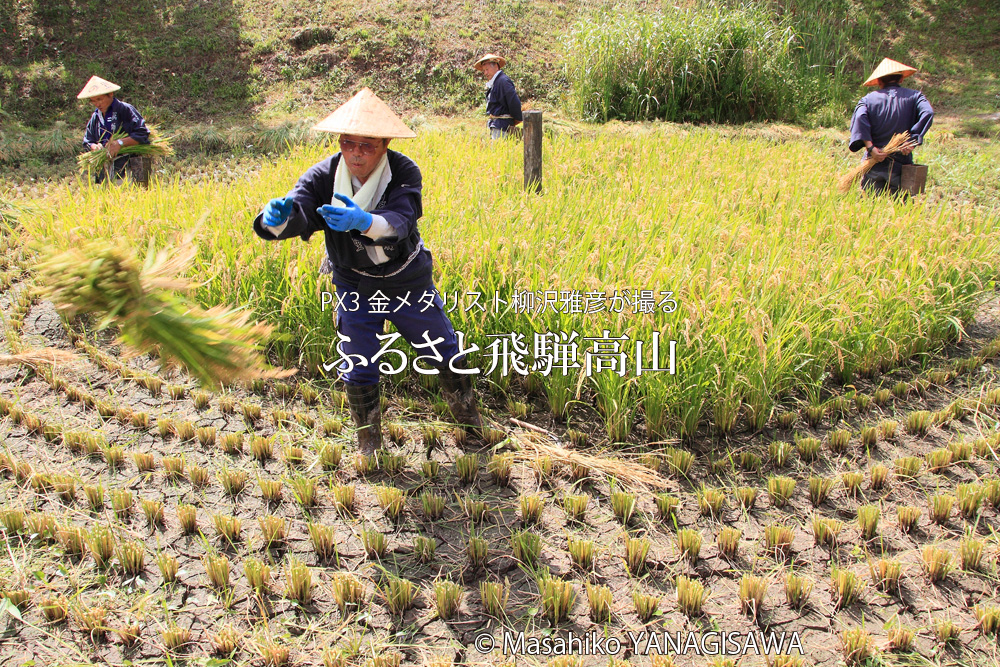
895,145
217,345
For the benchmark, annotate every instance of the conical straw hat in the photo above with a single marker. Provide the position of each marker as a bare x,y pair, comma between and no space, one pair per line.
97,86
490,57
888,67
366,116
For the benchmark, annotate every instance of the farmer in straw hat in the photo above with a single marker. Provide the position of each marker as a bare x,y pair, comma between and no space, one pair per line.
882,113
502,103
366,201
111,115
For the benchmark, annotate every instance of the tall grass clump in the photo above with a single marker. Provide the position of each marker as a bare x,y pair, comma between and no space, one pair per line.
683,65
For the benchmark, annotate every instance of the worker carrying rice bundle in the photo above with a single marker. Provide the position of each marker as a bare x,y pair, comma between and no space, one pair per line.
366,200
113,126
886,112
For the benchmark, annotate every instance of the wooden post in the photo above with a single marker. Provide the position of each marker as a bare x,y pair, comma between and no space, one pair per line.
533,150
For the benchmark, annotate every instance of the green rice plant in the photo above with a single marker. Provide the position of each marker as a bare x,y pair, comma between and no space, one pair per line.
908,517
599,601
819,489
886,573
175,639
900,389
477,550
65,488
813,414
348,592
55,608
232,481
749,461
918,422
173,468
187,517
298,582
936,562
970,497
499,468
636,551
780,490
746,496
343,497
447,598
121,503
879,476
838,441
581,552
856,645
398,594
231,443
751,594
542,465
946,630
92,620
808,448
526,546
392,501
185,431
273,530
847,587
991,492
332,426
433,505
940,507
271,490
201,399
826,532
393,464
779,451
778,540
13,521
938,459
691,596
623,505
430,469
666,505
970,554
887,429
153,509
494,595
261,448
477,510
679,462
329,455
531,509
374,543
131,557
646,606
786,420
294,456
689,543
101,543
227,527
868,517
467,466
575,506
323,540
869,436
961,451
728,542
710,501
988,617
862,402
168,566
557,598
304,490
144,461
431,436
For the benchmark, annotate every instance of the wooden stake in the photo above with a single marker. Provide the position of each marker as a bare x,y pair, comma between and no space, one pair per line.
533,150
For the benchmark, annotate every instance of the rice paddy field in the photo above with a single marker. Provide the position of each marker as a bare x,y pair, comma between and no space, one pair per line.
818,472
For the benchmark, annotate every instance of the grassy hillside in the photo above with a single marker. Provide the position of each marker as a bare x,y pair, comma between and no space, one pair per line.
224,59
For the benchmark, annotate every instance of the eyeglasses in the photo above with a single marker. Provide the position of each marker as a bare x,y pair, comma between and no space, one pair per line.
355,146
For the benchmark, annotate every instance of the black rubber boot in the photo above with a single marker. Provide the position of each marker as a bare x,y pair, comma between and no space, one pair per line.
459,390
366,411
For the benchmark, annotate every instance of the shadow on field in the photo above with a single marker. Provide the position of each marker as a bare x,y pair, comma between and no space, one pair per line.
180,57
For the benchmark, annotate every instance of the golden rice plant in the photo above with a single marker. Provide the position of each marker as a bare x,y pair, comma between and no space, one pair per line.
908,517
970,497
374,543
887,429
808,448
271,490
666,505
348,592
55,608
433,505
819,489
581,552
225,640
940,507
424,548
322,538
689,543
710,501
273,530
900,638
477,510
847,587
636,551
780,489
447,598
919,422
868,518
272,653
187,517
679,461
467,466
826,532
988,617
938,459
751,594
232,481
229,528
185,431
173,467
144,461
499,468
852,482
779,452
746,496
217,570
936,562
230,443
392,463
623,505
575,506
645,605
797,590
786,420
153,509
12,520
970,554
72,539
856,643
304,490
258,575
129,634
886,573
838,441
728,542
131,557
961,451
397,594
298,582
92,620
946,630
330,455
526,546
531,506
494,595
778,540
168,566
262,448
869,436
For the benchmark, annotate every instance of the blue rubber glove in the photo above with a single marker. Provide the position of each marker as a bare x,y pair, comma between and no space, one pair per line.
277,211
345,219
